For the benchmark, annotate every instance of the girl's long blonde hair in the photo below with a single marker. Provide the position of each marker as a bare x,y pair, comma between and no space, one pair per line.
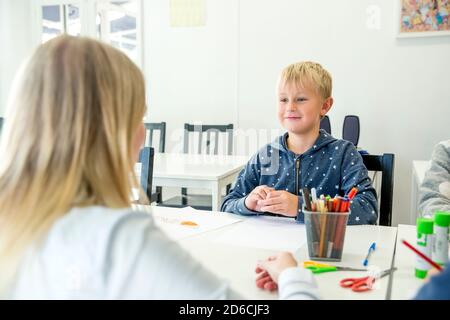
67,140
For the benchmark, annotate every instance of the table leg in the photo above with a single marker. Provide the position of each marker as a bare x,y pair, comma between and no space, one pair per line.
216,198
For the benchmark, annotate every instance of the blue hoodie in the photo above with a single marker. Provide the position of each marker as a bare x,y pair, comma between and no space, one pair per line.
331,166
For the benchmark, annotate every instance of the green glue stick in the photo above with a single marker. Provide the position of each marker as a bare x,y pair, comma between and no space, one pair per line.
424,245
440,243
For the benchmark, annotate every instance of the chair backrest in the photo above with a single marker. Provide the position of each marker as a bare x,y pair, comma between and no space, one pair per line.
146,157
385,164
209,130
149,129
325,124
350,129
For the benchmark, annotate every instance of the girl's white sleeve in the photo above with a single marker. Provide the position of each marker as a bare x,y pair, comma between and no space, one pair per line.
297,283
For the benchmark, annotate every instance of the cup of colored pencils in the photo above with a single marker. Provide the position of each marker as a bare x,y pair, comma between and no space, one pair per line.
326,220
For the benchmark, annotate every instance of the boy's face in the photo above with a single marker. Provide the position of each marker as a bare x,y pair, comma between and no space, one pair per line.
300,109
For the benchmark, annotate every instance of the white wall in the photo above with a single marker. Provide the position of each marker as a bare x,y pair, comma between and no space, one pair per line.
16,34
226,72
191,72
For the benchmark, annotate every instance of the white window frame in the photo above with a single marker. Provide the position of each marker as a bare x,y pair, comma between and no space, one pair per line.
38,4
88,14
139,26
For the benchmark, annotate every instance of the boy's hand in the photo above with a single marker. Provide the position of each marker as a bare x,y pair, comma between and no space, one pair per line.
259,193
269,270
280,202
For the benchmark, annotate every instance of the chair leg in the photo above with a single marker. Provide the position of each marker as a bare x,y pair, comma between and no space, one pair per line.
184,196
158,194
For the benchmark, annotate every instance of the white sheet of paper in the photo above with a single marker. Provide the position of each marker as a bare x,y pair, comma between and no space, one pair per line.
170,220
266,232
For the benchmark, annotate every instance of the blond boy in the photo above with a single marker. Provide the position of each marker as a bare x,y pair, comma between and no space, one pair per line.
304,157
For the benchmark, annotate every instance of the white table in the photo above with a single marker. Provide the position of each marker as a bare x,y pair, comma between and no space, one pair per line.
212,172
404,282
419,168
237,264
357,242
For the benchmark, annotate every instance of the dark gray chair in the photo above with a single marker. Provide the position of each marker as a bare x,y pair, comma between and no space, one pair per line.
325,124
146,158
384,163
212,132
150,128
350,129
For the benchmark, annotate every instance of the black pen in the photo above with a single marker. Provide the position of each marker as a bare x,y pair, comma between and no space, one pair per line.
306,200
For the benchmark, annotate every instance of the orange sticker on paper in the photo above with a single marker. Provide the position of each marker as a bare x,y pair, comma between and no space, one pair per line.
189,223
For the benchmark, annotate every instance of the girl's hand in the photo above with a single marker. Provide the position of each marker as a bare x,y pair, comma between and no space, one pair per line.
269,270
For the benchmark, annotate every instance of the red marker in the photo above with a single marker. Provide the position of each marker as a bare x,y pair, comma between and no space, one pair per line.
345,204
337,202
352,193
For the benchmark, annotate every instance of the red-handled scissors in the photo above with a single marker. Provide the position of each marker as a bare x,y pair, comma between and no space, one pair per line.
364,283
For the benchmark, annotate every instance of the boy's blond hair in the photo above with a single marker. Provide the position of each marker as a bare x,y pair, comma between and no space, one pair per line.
308,73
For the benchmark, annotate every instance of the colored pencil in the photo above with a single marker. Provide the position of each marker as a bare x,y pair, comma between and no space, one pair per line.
424,257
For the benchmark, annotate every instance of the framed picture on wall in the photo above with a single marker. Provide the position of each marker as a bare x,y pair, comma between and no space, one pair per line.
423,18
